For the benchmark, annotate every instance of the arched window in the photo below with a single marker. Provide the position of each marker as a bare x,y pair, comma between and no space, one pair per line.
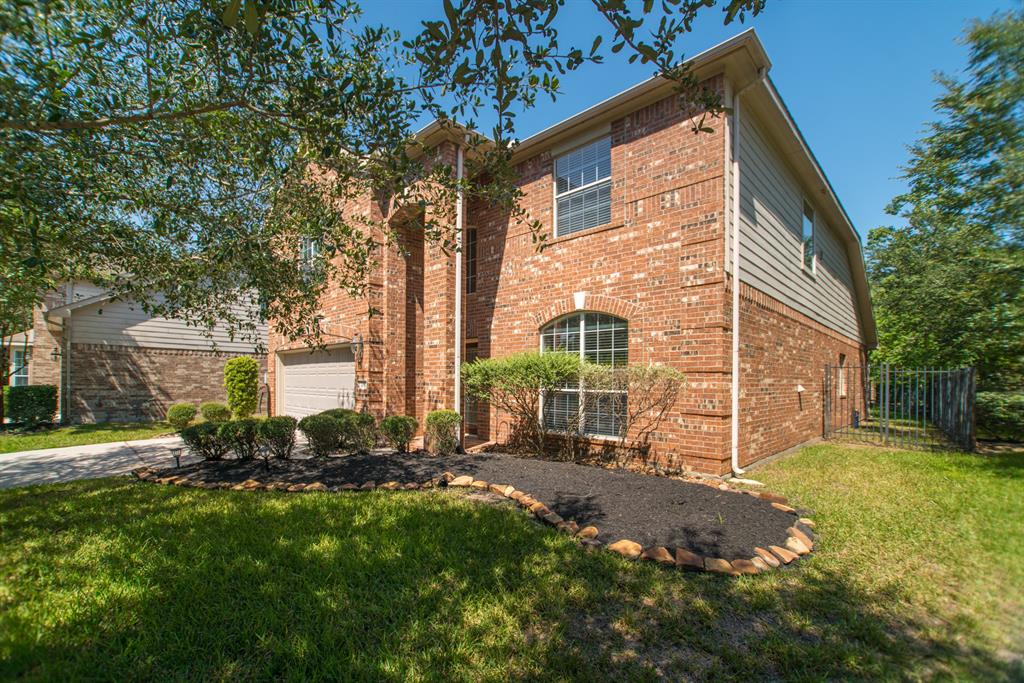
598,338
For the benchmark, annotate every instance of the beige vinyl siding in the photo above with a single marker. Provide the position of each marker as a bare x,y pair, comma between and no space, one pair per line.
771,210
125,323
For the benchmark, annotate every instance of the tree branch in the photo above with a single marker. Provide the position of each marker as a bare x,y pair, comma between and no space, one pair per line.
50,126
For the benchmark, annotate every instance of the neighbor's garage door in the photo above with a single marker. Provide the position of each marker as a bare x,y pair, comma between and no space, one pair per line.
317,381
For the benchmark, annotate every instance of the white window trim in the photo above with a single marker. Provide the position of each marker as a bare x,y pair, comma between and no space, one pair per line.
555,196
579,389
23,371
813,270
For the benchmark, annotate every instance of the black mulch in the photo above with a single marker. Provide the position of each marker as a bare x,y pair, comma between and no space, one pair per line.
647,509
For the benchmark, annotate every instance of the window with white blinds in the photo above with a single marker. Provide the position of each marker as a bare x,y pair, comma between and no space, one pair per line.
583,187
598,338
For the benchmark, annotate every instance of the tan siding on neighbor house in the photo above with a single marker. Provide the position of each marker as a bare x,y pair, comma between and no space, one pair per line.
125,323
771,210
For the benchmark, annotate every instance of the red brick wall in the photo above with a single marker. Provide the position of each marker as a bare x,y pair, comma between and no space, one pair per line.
658,264
780,349
126,383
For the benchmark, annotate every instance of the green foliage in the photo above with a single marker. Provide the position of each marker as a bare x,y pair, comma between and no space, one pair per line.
180,415
398,430
338,413
242,381
323,433
277,434
32,405
948,288
241,436
204,440
358,431
1000,415
215,412
517,384
442,431
117,118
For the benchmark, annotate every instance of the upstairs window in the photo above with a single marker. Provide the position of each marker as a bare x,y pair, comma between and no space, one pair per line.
598,338
583,187
309,250
808,238
470,248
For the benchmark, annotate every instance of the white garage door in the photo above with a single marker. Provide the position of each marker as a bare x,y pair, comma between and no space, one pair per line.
317,381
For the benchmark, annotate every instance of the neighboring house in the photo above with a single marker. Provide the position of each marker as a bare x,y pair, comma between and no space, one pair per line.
643,216
112,361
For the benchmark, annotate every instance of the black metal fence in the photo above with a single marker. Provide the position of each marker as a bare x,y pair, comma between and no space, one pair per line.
902,407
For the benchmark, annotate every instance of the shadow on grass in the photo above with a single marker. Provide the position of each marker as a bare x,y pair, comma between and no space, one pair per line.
116,580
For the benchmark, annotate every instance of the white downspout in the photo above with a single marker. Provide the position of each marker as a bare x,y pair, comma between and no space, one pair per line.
735,230
458,288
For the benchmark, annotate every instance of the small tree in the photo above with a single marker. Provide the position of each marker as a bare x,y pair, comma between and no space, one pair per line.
242,381
641,395
442,431
517,384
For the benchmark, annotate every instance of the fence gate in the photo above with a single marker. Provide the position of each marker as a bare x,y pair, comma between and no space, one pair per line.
901,407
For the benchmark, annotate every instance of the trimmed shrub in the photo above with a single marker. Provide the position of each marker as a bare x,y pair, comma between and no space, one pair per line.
1000,415
180,415
277,435
32,405
215,412
204,440
323,433
242,381
338,413
358,431
442,431
398,430
518,385
241,437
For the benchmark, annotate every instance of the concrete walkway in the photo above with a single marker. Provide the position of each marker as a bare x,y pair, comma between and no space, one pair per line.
86,462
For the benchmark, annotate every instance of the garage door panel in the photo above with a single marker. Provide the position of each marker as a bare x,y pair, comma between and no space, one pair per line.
318,381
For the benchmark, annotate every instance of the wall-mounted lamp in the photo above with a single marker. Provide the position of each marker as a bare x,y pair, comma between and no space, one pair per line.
800,388
357,347
55,355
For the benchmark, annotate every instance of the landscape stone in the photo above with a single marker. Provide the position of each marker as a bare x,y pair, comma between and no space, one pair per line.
761,565
784,508
411,486
552,518
464,480
801,536
316,486
368,486
588,532
389,485
296,487
786,556
767,557
720,566
480,484
658,554
806,522
348,487
628,549
569,527
689,560
744,566
797,546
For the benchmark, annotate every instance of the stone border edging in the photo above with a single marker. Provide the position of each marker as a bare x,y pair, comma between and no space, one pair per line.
799,543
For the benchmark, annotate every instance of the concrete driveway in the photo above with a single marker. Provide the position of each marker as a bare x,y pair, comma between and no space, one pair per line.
86,462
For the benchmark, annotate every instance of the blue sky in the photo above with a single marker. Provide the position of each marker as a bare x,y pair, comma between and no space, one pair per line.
857,76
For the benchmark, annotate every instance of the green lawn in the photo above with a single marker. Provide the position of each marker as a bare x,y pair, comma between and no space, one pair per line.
81,435
919,574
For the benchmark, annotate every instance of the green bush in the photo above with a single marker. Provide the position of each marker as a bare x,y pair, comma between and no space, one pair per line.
242,381
358,431
215,412
204,440
277,434
398,430
518,385
241,437
1000,415
442,431
180,415
339,413
323,433
32,405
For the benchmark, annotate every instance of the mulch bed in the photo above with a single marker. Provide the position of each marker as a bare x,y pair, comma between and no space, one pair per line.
654,512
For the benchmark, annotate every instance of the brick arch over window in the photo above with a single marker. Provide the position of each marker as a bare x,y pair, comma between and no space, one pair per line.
582,301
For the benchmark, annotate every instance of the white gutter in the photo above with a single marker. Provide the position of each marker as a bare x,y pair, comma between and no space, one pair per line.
735,229
458,286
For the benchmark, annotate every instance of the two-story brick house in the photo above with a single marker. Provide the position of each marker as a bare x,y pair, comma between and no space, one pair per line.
645,220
